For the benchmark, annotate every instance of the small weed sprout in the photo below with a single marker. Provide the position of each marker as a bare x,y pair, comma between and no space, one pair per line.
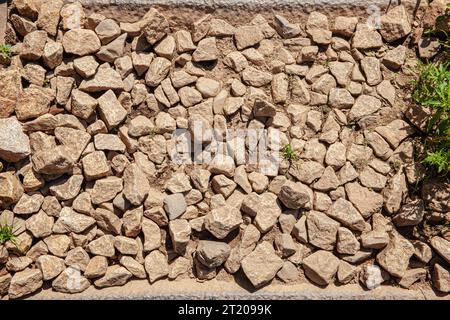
5,51
46,83
152,132
289,153
7,234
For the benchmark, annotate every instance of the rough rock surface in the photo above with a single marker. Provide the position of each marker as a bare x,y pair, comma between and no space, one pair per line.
279,148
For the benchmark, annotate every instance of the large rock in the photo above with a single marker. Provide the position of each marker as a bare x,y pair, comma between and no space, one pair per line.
33,102
5,281
295,195
33,45
136,185
410,214
221,221
322,230
106,189
247,36
395,132
25,282
442,247
55,161
344,212
395,257
212,253
11,189
48,18
40,224
70,281
371,276
114,50
364,105
105,79
180,232
67,189
115,276
157,71
347,242
154,26
395,192
156,265
435,195
441,278
365,200
175,205
14,144
206,50
70,221
29,204
110,110
262,264
395,24
364,38
320,267
107,30
81,42
10,88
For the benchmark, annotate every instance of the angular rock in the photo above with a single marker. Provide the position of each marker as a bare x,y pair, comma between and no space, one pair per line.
212,254
11,189
366,201
156,265
395,256
262,264
247,36
343,211
322,230
441,278
96,267
105,79
50,266
410,214
80,42
442,247
70,281
180,233
206,50
221,221
372,276
154,26
175,205
347,242
24,283
321,267
136,185
14,144
115,276
295,195
395,24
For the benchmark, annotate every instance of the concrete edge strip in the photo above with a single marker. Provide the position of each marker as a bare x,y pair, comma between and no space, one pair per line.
251,4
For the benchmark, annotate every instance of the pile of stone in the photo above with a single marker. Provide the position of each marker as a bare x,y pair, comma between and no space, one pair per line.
88,109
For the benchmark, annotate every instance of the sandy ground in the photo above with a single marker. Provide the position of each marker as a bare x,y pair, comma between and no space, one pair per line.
215,289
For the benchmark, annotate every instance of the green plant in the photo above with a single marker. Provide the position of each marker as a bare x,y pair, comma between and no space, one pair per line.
289,153
152,132
5,51
7,234
46,83
432,89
